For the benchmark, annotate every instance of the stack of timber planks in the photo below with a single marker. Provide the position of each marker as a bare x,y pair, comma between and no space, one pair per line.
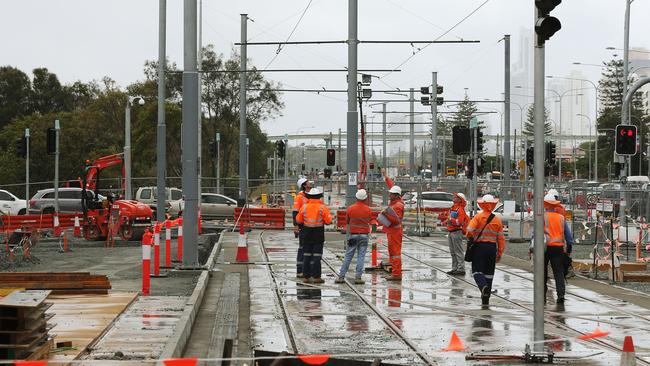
24,326
61,283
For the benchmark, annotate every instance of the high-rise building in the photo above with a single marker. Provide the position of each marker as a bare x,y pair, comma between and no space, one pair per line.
640,68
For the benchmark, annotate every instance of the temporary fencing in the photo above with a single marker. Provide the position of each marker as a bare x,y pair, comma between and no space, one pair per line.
261,218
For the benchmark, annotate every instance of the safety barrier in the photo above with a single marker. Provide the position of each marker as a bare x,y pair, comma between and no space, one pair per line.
36,222
267,218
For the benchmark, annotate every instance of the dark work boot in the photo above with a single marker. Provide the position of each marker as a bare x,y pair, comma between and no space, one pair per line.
485,295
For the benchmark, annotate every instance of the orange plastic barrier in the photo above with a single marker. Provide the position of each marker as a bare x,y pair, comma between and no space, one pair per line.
266,218
44,221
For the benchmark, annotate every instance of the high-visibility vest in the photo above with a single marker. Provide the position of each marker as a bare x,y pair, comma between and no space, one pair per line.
359,216
301,200
392,216
315,214
492,231
554,230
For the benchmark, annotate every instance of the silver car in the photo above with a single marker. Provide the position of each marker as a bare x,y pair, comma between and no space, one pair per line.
213,206
69,200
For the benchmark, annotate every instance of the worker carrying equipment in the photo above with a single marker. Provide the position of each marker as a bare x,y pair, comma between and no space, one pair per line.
313,216
486,232
358,218
457,227
391,219
558,245
301,199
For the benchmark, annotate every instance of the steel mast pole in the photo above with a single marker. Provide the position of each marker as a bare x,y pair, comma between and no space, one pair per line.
243,78
190,135
506,143
352,115
412,133
434,127
27,171
161,145
127,149
384,161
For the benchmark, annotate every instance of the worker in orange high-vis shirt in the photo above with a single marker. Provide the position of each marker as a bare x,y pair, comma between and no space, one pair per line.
391,219
486,231
313,216
301,199
457,227
358,218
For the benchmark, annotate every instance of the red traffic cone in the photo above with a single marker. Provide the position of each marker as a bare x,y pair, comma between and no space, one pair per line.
628,358
77,228
242,248
455,343
57,227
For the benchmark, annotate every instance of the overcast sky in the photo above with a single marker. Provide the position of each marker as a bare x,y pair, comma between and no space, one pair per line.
88,39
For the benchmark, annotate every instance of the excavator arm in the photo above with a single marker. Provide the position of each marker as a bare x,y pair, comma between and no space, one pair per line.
93,170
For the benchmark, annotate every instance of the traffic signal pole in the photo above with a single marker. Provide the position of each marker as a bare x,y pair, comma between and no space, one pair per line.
27,171
57,129
506,114
243,167
434,127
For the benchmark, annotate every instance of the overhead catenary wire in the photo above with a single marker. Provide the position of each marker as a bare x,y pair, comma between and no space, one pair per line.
280,47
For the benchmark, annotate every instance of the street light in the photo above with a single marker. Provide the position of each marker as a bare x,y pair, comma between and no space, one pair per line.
596,147
127,143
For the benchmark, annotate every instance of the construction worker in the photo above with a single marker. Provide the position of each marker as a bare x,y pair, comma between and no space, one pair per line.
313,216
391,219
457,228
559,244
568,266
358,218
486,231
301,199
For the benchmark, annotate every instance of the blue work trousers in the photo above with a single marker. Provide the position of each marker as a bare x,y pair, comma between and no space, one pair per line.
313,254
357,243
483,264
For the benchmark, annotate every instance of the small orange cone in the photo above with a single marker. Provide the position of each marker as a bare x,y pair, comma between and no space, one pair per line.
455,344
628,358
595,334
65,241
77,228
242,248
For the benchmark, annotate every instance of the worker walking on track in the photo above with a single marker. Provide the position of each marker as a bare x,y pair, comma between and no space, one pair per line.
313,216
358,217
457,228
559,244
485,231
301,199
391,219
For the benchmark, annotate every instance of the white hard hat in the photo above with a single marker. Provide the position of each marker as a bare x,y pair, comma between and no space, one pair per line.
554,192
314,192
395,189
461,196
488,198
550,198
301,181
361,194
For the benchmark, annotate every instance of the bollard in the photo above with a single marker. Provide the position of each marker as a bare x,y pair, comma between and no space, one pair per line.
179,254
65,242
57,227
374,254
146,263
168,244
77,228
200,223
156,252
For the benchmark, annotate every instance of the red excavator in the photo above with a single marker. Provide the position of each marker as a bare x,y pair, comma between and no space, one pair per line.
111,216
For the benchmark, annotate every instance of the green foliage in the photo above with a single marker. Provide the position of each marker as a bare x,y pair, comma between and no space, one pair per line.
465,111
15,89
529,126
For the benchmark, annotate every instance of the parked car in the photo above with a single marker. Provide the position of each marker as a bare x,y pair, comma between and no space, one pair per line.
69,200
148,195
10,204
498,212
213,206
429,200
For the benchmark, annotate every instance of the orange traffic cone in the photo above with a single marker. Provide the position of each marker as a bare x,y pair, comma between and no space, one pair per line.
628,358
242,248
65,241
77,228
455,343
57,227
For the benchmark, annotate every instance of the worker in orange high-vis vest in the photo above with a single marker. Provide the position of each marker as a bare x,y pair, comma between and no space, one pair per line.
456,228
313,216
358,218
559,244
301,199
486,230
391,219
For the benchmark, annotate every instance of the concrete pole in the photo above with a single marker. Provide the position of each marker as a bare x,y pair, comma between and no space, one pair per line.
243,168
217,138
506,144
412,133
384,153
190,158
57,128
27,172
434,127
352,117
127,149
161,145
538,205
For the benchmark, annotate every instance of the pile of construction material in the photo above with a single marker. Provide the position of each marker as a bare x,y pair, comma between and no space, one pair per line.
61,283
24,326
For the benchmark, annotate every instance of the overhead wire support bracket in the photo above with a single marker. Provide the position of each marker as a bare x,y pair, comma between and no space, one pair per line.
271,43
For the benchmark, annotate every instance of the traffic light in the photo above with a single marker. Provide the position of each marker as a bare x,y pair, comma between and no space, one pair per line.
626,140
280,149
428,97
425,99
550,152
372,165
331,157
530,155
469,172
546,26
327,173
479,140
51,141
461,140
21,147
213,148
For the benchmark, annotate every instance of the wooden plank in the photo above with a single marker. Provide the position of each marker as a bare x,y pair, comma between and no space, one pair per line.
227,318
26,345
24,299
41,352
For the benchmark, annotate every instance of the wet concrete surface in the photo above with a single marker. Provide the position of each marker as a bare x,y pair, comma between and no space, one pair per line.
426,307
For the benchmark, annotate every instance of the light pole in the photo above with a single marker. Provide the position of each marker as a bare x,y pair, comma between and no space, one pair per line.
591,133
127,144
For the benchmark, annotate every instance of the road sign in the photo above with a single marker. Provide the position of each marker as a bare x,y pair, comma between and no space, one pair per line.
451,171
473,123
605,206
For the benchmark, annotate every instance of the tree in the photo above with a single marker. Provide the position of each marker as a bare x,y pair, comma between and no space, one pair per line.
464,112
15,88
47,93
529,126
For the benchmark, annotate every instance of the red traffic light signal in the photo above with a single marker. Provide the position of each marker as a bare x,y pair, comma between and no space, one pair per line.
331,157
626,140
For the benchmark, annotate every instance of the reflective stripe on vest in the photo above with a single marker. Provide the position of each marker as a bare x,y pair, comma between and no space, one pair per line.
554,241
317,222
